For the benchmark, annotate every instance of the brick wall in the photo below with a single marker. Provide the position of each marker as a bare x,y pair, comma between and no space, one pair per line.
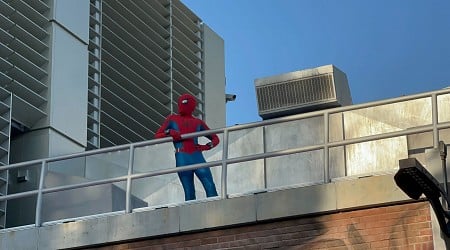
406,226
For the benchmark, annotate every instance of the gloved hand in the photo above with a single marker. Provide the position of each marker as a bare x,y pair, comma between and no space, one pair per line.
174,134
204,147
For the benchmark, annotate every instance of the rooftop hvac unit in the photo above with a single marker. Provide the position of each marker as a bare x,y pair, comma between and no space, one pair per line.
302,91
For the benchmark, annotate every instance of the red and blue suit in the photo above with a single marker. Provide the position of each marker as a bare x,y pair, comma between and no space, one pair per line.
188,151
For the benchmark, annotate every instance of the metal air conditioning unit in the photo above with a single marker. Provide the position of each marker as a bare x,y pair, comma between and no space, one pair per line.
302,91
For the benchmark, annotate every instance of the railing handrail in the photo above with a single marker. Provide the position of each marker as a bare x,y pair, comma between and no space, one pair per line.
231,128
325,145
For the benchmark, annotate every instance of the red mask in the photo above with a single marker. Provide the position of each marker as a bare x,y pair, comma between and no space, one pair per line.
186,104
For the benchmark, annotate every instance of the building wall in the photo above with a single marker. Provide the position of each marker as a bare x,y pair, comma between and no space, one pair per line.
58,132
99,73
151,53
405,226
214,78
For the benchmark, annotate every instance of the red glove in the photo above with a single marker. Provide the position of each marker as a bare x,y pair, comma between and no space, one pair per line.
175,134
204,147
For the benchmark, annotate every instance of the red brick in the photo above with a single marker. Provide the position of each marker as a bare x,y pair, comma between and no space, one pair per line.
406,226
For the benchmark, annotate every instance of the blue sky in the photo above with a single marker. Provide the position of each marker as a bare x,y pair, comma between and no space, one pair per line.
387,48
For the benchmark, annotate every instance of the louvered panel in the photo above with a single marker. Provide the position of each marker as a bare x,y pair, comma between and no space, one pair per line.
147,17
28,52
128,115
186,82
28,38
186,11
148,114
148,59
27,66
26,93
5,132
39,6
133,76
135,57
136,68
29,114
302,91
5,8
160,52
94,63
5,51
159,7
120,130
93,86
5,65
193,77
187,18
186,26
23,31
109,137
5,23
187,42
184,55
32,83
4,79
27,10
28,25
128,83
111,9
94,108
187,54
94,75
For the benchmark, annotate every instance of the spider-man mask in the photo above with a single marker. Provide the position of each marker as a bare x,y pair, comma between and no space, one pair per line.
186,104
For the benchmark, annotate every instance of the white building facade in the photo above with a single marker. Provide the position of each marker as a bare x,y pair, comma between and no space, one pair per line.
86,74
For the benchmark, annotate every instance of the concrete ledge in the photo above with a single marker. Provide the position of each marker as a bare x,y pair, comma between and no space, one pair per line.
331,197
218,213
368,191
298,201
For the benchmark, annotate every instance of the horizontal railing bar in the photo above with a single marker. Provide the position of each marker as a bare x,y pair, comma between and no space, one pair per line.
404,132
337,110
233,128
18,195
409,131
284,152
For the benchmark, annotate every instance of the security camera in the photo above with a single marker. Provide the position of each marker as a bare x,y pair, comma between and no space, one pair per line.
230,97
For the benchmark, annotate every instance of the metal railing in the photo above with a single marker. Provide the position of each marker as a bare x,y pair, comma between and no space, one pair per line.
225,161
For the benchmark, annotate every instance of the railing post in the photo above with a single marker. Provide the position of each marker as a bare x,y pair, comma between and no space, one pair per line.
130,172
434,115
223,193
38,220
326,155
264,159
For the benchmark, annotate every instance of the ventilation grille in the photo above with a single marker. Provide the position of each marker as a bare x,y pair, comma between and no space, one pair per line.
302,91
294,93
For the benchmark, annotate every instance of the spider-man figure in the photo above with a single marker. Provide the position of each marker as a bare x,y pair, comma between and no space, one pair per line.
188,151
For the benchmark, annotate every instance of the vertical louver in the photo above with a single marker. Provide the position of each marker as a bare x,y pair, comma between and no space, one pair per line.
94,71
5,132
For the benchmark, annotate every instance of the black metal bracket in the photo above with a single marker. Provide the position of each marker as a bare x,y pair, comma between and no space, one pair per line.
415,180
